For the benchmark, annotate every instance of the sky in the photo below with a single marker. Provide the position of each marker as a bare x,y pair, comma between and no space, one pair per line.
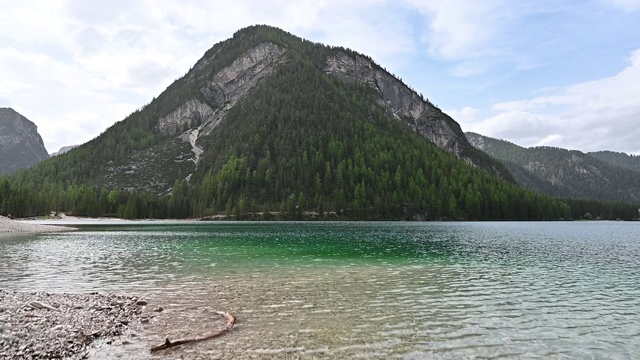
562,73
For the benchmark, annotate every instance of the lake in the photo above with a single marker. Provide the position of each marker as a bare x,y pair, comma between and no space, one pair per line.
357,289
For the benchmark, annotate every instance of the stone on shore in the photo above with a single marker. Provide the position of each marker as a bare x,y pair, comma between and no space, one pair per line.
63,326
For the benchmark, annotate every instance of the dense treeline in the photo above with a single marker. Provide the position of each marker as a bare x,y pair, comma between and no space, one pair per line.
17,201
605,210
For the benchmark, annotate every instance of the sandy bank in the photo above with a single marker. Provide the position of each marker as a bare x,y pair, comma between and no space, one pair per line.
14,226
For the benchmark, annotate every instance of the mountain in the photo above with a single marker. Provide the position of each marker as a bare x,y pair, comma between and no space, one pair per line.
166,140
269,122
617,158
563,173
20,144
63,150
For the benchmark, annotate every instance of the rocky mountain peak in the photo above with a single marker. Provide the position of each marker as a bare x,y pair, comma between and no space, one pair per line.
20,144
406,105
63,150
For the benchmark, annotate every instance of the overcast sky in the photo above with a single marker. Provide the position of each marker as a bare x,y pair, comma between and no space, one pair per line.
534,72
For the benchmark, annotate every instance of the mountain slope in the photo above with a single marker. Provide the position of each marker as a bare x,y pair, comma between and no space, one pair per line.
631,162
410,108
269,121
563,173
20,144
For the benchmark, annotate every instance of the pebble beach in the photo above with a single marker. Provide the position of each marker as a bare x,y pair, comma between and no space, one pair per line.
15,226
62,326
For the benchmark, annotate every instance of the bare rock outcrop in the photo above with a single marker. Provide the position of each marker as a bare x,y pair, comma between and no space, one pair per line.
222,92
20,144
189,115
233,82
198,116
63,150
402,102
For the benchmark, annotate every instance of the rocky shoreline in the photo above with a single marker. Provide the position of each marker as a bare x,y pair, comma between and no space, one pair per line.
14,226
45,326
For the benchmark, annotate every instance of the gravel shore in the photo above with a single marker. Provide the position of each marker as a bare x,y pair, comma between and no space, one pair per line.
47,326
14,226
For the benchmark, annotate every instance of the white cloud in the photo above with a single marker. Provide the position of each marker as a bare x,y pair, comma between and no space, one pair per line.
459,29
465,116
549,140
65,106
626,5
469,68
593,115
521,127
33,21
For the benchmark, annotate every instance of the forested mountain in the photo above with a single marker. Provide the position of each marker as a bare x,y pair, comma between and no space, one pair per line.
20,144
269,123
563,173
163,141
617,158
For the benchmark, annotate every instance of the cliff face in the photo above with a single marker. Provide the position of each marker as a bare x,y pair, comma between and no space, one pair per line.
407,106
195,118
222,91
20,144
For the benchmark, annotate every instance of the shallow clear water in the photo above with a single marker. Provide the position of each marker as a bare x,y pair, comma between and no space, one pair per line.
359,290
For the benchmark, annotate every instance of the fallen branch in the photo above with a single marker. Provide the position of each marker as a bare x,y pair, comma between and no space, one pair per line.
231,320
40,305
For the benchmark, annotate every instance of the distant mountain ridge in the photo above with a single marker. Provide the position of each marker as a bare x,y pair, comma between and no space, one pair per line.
20,144
617,158
566,173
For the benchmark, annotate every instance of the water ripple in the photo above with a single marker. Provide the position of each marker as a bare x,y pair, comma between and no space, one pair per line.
363,290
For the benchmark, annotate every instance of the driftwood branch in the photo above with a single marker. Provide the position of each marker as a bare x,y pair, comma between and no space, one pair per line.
40,305
231,320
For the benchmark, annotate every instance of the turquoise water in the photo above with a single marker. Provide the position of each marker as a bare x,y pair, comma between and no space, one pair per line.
353,290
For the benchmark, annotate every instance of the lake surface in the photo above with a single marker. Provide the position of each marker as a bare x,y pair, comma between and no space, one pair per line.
357,290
